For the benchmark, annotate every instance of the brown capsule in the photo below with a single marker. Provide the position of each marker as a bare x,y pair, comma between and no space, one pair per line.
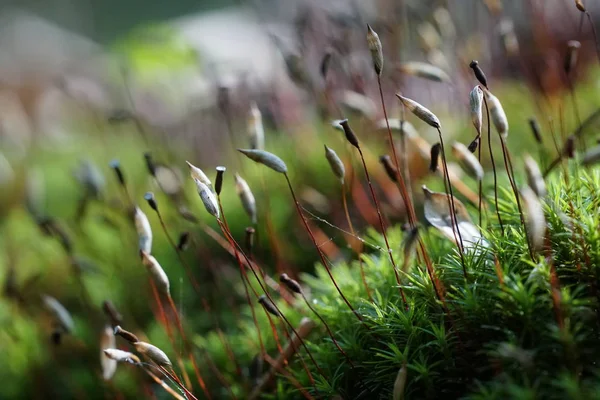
59,312
183,241
420,111
376,49
197,173
580,6
534,217
290,283
219,179
268,306
435,153
475,102
569,148
153,353
115,165
111,313
150,165
497,114
535,130
474,144
350,136
144,231
208,199
130,337
250,231
391,171
424,70
149,197
573,47
336,164
264,157
121,356
535,179
325,62
467,160
474,65
247,198
109,365
157,272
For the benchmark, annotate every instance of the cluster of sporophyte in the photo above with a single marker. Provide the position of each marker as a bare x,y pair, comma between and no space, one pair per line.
514,328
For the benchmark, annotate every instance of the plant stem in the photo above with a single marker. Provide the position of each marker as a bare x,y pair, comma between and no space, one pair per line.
323,261
401,183
487,111
163,384
480,186
246,283
510,173
382,224
234,243
335,342
360,261
450,197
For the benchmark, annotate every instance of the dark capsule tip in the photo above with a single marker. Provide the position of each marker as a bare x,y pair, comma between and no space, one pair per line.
473,145
473,64
149,197
219,180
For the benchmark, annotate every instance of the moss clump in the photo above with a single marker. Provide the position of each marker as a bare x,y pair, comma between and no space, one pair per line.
505,332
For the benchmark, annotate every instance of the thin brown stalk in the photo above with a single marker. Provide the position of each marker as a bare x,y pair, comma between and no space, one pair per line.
510,172
382,224
359,251
487,111
335,342
189,351
404,191
234,243
304,366
323,261
273,328
449,192
480,187
246,282
589,16
163,384
304,329
167,324
187,268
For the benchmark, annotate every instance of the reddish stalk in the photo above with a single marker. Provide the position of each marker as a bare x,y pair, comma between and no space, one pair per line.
304,366
450,196
382,224
487,111
246,283
186,267
167,324
236,245
480,186
510,172
192,359
360,262
323,261
327,328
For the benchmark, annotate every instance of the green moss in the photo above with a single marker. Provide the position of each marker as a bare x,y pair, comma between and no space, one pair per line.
491,339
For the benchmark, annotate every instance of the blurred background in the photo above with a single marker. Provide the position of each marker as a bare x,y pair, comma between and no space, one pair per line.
83,83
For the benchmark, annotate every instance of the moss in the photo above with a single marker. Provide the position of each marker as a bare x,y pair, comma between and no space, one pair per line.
493,339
